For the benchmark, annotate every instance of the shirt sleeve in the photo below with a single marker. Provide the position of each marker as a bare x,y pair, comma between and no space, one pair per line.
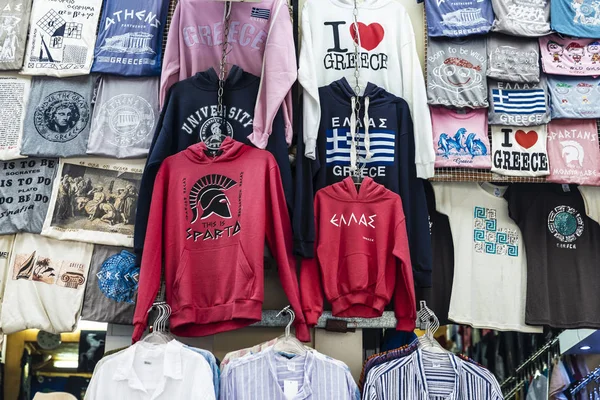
279,74
443,197
404,293
307,76
170,70
310,281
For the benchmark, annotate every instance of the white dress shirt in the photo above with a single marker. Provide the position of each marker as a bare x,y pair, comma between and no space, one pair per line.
153,372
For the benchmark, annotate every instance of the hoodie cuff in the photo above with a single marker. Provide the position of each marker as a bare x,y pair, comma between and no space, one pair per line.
303,248
312,317
425,170
302,332
422,278
138,332
406,324
289,134
259,139
310,149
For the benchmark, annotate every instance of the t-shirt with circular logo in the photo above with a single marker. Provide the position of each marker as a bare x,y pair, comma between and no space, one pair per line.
562,255
124,117
57,122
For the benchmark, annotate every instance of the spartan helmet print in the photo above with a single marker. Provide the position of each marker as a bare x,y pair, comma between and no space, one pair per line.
208,193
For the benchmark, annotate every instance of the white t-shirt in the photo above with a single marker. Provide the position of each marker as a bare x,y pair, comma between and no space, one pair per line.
45,284
591,197
62,35
14,92
520,151
490,267
388,58
6,244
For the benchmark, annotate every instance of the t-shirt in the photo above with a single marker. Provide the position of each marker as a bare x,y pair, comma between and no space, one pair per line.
14,20
574,97
522,104
562,255
564,56
94,201
61,37
522,17
456,18
14,92
591,196
520,152
513,59
57,122
112,286
6,245
45,284
124,117
489,257
130,37
460,138
579,18
25,188
456,70
573,151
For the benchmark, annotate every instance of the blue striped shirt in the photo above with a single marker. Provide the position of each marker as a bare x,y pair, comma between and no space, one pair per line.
268,375
424,375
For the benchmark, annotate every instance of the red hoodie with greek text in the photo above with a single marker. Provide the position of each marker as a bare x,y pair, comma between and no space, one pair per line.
208,222
362,258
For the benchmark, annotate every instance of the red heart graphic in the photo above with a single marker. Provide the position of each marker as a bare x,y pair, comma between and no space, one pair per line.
370,35
526,139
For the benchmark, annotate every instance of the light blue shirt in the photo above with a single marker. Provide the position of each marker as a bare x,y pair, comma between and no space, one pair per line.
212,361
574,97
576,18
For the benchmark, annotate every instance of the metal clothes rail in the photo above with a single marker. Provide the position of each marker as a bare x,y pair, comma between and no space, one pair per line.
387,320
592,376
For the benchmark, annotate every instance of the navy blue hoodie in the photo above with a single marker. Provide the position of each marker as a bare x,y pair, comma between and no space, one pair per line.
190,116
392,165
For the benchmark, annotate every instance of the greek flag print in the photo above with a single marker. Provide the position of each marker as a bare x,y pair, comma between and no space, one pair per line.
262,13
519,101
383,146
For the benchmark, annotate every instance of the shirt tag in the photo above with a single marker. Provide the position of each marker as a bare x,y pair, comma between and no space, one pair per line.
147,363
290,389
566,188
497,192
291,367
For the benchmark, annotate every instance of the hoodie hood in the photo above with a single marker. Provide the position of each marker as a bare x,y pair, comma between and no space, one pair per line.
230,149
236,79
344,93
363,4
369,190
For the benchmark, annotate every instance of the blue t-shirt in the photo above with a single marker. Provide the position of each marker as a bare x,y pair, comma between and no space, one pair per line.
579,18
456,18
574,97
130,37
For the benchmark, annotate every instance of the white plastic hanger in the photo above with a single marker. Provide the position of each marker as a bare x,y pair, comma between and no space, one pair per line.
288,342
158,331
426,317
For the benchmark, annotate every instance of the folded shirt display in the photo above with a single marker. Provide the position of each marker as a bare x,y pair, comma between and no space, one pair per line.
513,59
522,104
6,247
14,94
15,21
62,37
458,18
574,97
456,71
45,284
566,56
520,151
577,18
522,18
57,122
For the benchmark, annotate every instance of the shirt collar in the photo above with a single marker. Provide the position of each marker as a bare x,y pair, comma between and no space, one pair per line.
305,391
171,367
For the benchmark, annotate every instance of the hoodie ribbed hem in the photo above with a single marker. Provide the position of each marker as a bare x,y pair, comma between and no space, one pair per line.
359,304
425,170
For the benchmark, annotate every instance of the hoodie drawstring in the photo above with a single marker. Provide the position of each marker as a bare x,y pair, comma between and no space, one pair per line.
353,155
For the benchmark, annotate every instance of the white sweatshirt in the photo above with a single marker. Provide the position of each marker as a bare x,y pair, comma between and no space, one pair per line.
388,58
45,284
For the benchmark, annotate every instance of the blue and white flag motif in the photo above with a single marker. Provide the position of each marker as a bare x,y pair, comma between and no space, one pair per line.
383,144
519,101
262,13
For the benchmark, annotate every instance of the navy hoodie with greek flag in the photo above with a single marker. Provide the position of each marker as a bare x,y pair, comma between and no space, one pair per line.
190,116
392,164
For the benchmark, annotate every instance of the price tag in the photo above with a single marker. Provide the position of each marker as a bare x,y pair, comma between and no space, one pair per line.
290,389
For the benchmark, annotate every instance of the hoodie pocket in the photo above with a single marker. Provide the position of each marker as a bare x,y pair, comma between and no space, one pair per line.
214,276
357,272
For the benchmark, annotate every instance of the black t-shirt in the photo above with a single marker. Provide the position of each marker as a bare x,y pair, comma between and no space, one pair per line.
563,255
442,274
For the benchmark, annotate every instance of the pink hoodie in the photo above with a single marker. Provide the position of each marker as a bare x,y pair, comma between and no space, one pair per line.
261,43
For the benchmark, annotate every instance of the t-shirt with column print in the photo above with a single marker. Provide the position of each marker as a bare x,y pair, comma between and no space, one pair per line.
489,257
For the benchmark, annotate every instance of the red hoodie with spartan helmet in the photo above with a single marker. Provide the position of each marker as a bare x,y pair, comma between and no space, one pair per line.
207,226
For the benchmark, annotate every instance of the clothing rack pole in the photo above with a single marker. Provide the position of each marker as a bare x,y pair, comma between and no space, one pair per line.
531,359
585,381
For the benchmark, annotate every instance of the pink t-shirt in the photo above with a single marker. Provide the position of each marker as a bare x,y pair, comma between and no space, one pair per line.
460,138
573,151
563,56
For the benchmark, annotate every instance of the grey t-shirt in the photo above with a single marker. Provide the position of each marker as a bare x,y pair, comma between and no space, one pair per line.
456,70
521,104
522,17
14,20
124,117
109,294
25,190
513,59
574,97
57,123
